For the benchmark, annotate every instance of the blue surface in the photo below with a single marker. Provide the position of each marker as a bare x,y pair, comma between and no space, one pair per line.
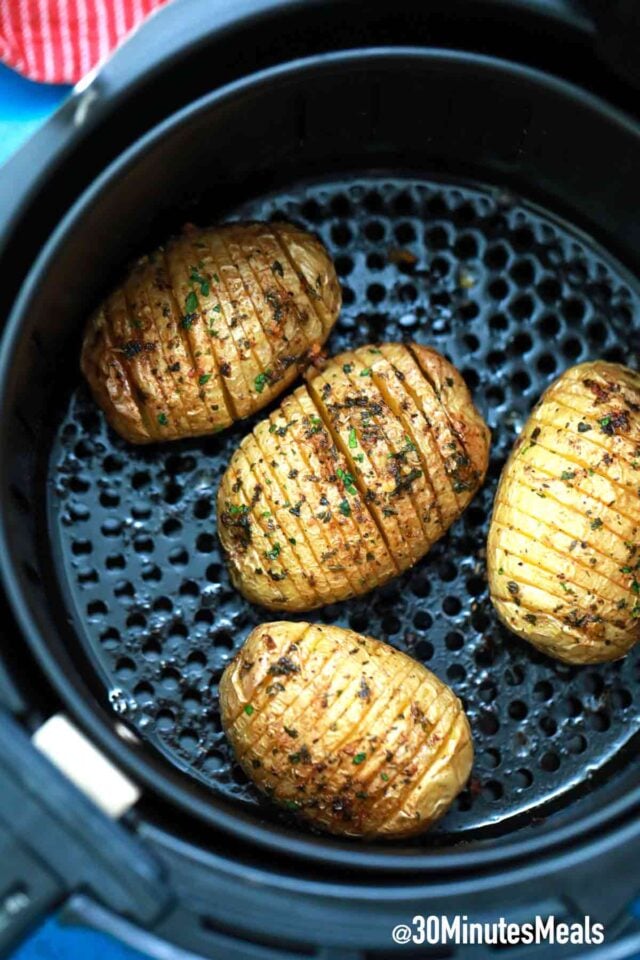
56,942
24,106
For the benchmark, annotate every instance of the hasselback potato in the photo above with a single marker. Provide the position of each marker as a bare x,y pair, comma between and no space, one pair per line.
564,545
209,329
352,479
354,736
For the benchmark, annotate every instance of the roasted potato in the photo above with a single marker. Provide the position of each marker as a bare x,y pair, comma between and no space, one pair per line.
209,329
352,479
356,737
564,544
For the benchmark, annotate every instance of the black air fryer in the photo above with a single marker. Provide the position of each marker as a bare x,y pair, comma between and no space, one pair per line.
499,144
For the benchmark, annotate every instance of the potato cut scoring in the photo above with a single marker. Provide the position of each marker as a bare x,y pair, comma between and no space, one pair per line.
209,329
345,731
564,545
352,479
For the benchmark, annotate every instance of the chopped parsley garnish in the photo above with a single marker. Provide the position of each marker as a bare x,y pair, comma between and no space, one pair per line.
195,277
191,302
163,419
249,709
347,368
583,427
359,758
353,440
292,541
316,425
604,423
187,321
234,509
216,278
276,266
204,378
262,380
366,372
347,480
274,553
596,524
567,475
384,776
345,509
635,586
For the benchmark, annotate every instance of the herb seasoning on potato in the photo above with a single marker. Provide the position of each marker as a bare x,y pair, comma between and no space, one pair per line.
564,544
352,479
209,329
354,736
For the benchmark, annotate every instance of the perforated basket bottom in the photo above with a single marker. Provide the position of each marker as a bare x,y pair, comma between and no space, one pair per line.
513,299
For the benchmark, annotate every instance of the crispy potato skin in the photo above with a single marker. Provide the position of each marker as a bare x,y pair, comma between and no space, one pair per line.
564,545
352,479
354,736
209,328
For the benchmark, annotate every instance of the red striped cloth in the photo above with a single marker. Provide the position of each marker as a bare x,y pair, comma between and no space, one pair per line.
59,41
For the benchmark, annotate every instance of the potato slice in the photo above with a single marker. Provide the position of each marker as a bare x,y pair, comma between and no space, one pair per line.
253,551
350,734
353,416
358,547
564,567
210,329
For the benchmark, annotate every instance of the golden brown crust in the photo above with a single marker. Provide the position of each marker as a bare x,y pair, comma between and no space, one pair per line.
374,470
353,736
209,329
563,550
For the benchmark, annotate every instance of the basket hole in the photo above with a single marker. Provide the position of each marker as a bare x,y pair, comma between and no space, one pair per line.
518,710
543,690
600,721
178,557
374,231
201,511
456,673
341,234
437,238
522,779
547,364
496,256
376,292
466,247
522,307
549,290
523,273
498,289
550,762
172,493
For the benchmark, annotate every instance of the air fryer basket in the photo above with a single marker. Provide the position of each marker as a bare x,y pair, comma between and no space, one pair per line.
512,298
469,204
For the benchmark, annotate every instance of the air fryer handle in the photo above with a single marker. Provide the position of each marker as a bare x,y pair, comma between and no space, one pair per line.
54,841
